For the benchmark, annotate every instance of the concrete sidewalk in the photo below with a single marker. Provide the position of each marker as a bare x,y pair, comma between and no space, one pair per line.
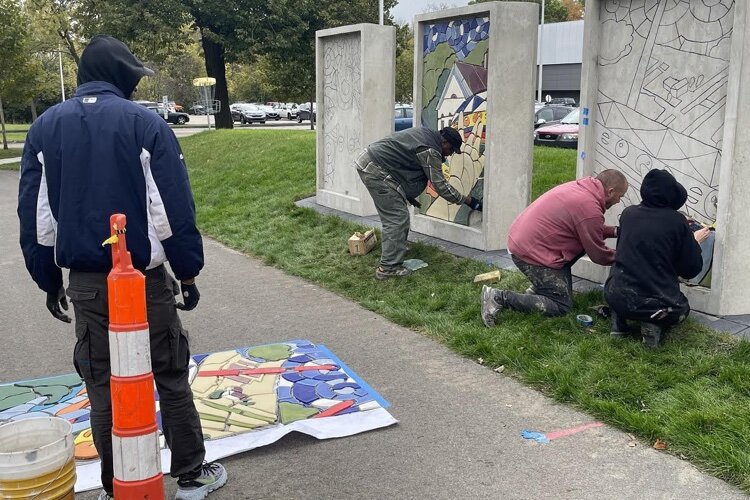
458,435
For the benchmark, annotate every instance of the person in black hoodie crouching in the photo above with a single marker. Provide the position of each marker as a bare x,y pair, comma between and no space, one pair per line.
655,247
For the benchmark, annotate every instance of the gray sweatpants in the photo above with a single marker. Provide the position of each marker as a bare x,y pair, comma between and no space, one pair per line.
169,361
392,209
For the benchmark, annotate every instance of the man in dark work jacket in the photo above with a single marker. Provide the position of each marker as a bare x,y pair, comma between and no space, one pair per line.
655,247
395,170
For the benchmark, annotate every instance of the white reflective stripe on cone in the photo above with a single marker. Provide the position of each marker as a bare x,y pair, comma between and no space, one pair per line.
136,458
130,353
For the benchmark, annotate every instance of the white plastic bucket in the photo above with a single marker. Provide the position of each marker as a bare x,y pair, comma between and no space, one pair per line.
36,459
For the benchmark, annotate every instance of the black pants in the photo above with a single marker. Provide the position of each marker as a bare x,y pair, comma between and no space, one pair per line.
553,290
169,360
629,305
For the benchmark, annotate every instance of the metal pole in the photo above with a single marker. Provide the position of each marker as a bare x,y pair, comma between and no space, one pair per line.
381,12
62,81
539,62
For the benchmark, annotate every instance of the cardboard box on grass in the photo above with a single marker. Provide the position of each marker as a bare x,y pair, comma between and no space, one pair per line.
362,243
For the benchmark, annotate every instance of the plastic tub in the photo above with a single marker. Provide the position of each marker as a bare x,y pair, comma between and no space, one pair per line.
36,459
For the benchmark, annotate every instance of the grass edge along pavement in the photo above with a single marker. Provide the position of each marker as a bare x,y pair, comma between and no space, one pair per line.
692,394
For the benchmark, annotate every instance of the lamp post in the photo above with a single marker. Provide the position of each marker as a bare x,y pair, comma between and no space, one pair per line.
541,51
380,4
62,80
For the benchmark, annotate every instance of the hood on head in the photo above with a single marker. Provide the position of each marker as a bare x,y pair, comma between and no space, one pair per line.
107,59
660,189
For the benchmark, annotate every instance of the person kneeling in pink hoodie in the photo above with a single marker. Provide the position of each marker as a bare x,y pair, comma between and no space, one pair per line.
549,236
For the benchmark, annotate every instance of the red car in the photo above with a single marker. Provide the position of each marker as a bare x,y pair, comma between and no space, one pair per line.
562,135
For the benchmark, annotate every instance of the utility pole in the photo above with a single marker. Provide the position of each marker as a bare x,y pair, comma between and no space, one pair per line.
381,12
541,52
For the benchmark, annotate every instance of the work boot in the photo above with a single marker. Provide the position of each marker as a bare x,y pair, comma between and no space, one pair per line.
198,484
490,305
652,334
620,328
397,272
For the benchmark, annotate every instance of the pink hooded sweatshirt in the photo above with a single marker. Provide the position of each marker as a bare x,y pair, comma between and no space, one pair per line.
561,224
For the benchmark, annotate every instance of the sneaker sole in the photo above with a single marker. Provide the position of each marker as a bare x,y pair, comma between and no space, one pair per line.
203,491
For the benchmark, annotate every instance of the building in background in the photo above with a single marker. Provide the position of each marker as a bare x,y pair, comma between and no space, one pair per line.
561,49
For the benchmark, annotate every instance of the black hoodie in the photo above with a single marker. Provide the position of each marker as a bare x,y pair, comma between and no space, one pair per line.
107,59
655,246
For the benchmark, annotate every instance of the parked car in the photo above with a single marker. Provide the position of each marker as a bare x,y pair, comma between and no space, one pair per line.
271,112
172,116
288,110
563,135
247,113
303,112
404,117
538,105
551,115
564,101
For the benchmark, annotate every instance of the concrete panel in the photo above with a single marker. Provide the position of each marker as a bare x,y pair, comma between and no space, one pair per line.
355,77
661,88
473,68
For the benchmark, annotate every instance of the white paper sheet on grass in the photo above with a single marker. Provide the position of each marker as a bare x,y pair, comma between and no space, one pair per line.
88,473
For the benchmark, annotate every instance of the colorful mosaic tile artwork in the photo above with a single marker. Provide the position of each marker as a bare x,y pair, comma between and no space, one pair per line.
454,94
235,392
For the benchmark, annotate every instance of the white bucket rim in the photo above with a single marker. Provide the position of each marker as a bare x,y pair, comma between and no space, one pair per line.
65,429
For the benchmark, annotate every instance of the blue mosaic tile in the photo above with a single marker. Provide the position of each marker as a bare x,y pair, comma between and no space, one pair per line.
292,376
304,393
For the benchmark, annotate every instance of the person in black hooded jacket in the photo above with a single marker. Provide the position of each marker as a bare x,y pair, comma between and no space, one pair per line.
96,154
655,247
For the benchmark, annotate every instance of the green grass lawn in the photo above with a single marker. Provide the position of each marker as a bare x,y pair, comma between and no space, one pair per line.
11,166
15,132
9,153
694,393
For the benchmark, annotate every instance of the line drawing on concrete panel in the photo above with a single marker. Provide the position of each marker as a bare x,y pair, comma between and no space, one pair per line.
342,104
663,74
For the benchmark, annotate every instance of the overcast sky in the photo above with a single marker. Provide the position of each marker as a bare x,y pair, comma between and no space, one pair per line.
407,9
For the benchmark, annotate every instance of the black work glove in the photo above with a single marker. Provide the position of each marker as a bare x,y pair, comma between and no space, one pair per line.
415,203
54,301
475,204
190,296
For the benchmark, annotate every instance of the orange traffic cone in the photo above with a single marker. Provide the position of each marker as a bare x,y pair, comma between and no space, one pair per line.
135,435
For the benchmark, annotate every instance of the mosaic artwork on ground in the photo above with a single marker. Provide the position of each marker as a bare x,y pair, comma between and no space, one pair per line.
663,75
236,392
342,110
454,94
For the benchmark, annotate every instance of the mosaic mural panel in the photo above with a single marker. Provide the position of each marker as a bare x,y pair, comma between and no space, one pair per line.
241,392
454,94
663,75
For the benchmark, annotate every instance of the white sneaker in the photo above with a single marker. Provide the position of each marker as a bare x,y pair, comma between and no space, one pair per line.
198,484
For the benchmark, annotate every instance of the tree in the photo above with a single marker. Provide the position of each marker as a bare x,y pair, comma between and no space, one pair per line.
16,65
575,9
405,72
554,10
290,45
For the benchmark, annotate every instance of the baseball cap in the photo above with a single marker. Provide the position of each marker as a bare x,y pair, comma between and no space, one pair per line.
453,137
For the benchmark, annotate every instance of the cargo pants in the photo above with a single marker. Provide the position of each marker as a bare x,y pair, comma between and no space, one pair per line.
391,204
169,361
